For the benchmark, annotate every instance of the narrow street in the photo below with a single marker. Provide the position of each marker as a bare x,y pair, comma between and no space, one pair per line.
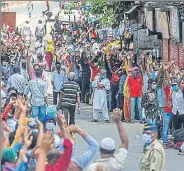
99,130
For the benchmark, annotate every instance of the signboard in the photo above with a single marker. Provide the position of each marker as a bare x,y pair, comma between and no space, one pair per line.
174,24
162,23
149,19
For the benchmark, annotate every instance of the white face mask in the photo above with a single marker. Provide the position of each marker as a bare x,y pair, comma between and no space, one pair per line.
154,86
49,126
12,123
5,63
147,138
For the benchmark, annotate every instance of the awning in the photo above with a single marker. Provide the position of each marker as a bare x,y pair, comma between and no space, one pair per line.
132,9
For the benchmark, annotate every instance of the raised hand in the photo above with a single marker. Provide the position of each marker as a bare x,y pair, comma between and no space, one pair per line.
27,138
47,142
117,115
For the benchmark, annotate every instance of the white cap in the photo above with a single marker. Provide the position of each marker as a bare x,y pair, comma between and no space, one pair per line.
108,144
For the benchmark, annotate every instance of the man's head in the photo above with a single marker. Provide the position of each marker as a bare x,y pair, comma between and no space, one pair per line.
58,66
130,71
39,72
49,122
71,76
174,86
27,22
40,22
8,155
152,84
135,72
36,66
149,133
107,147
16,69
53,156
12,90
103,74
40,56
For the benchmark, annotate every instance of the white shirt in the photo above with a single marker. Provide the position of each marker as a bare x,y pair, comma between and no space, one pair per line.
177,102
26,31
41,47
3,97
59,80
115,163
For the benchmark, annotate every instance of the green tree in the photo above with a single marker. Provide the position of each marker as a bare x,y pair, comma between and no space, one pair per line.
110,13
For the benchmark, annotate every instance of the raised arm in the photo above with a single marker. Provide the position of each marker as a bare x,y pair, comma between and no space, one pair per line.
117,115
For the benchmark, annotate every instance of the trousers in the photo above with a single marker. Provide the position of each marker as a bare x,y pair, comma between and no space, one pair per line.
104,111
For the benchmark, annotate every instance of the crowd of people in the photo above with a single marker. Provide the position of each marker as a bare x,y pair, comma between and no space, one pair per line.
86,67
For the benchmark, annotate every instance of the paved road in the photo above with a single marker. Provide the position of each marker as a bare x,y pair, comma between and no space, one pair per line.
101,130
22,12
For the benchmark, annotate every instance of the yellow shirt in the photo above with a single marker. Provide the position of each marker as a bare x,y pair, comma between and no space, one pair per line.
23,121
50,46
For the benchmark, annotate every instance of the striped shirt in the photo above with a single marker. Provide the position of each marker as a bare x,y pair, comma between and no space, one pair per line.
38,89
17,81
70,92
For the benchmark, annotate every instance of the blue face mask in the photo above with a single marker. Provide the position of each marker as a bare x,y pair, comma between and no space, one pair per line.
102,76
49,126
153,75
175,88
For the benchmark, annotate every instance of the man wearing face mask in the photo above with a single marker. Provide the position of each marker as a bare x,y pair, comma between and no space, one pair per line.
178,104
154,154
150,103
101,86
135,85
58,79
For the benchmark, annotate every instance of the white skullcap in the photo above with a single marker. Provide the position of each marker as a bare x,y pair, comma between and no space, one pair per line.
108,144
71,75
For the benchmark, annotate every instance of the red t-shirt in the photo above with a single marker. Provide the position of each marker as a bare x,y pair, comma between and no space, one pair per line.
64,161
135,86
168,107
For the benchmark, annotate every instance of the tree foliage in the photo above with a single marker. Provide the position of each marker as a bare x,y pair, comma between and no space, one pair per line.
110,12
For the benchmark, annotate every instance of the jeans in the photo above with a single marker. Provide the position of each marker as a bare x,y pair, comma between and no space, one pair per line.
161,109
109,100
114,91
151,121
120,101
83,160
69,113
166,123
39,111
85,90
133,102
55,96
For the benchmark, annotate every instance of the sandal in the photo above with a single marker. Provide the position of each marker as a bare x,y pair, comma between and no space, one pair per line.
107,121
94,120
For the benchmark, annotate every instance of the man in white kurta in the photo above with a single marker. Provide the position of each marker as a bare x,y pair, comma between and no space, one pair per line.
101,85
